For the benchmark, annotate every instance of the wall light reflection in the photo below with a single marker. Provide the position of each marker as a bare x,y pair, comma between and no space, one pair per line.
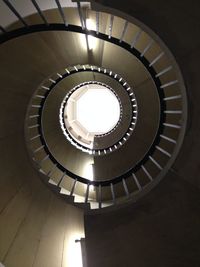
74,254
92,41
89,173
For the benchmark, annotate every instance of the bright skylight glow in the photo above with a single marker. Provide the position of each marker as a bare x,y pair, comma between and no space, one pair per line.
92,109
98,110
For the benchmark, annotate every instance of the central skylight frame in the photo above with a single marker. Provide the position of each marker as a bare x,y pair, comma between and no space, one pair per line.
85,102
103,143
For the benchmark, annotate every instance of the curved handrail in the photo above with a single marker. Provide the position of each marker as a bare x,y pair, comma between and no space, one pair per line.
155,76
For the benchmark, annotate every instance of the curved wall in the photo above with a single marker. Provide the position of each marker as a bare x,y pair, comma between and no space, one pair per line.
162,229
36,227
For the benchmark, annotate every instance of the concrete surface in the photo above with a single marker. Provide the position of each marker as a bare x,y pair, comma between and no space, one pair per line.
163,228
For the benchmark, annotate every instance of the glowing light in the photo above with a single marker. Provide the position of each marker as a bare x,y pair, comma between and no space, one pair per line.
90,25
92,41
98,110
89,173
74,254
91,109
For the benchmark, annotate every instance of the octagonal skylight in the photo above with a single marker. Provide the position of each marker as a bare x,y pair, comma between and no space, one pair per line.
97,109
91,110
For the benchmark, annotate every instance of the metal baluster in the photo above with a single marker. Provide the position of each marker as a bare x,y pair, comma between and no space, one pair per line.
39,11
99,196
83,24
125,187
111,26
124,31
73,187
87,193
61,12
113,193
97,22
62,177
11,7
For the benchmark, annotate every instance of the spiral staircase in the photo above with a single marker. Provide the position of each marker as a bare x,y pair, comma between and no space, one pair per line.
147,71
51,49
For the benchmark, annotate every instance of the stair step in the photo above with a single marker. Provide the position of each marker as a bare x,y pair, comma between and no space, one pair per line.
85,206
54,188
69,199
